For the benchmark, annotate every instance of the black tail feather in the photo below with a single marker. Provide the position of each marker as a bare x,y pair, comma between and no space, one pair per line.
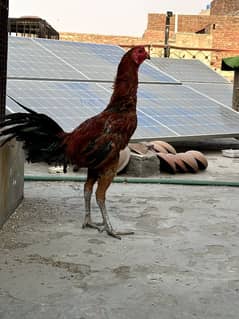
42,137
21,105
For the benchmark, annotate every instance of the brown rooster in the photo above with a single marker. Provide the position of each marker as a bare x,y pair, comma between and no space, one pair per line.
94,144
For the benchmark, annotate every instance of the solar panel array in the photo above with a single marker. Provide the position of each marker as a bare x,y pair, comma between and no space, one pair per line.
73,81
198,76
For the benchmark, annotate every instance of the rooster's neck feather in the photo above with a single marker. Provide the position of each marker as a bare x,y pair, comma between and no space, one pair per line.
126,82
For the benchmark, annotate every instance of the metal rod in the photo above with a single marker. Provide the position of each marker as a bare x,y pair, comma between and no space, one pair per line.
156,45
167,27
3,55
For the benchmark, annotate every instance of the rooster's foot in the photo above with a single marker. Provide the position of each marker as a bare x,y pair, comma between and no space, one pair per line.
116,234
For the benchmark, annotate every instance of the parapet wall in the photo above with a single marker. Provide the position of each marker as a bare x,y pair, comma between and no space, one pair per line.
11,179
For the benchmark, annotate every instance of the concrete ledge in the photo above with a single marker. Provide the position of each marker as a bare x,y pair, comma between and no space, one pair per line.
11,179
143,165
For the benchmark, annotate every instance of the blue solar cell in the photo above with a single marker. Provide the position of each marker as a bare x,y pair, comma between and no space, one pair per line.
108,53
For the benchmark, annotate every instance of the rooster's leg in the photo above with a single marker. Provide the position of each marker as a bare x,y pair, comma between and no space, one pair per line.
104,182
91,179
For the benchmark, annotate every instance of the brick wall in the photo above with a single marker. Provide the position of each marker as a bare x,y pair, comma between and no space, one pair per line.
186,23
224,7
184,39
225,35
193,23
157,21
224,25
97,38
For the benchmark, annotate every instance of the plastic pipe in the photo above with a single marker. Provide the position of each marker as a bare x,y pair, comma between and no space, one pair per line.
132,180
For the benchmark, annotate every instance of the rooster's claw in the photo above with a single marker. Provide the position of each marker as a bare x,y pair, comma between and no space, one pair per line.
116,234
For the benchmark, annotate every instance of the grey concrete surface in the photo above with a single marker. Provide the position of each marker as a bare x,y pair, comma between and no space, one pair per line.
182,262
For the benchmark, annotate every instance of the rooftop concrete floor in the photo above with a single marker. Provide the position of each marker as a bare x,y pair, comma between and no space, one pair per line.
182,262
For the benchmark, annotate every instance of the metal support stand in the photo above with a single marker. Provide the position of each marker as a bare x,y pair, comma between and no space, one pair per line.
235,97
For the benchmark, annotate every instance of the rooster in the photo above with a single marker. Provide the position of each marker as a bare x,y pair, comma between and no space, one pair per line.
95,143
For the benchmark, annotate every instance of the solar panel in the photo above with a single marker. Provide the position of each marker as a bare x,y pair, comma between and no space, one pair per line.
185,112
68,103
187,70
166,111
26,59
53,59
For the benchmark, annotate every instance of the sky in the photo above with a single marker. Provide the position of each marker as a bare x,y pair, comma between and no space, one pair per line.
111,17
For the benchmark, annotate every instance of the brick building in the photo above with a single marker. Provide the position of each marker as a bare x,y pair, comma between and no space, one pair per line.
216,32
225,7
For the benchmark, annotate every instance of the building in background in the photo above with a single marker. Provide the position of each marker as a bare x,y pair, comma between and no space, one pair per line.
208,36
33,27
216,33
